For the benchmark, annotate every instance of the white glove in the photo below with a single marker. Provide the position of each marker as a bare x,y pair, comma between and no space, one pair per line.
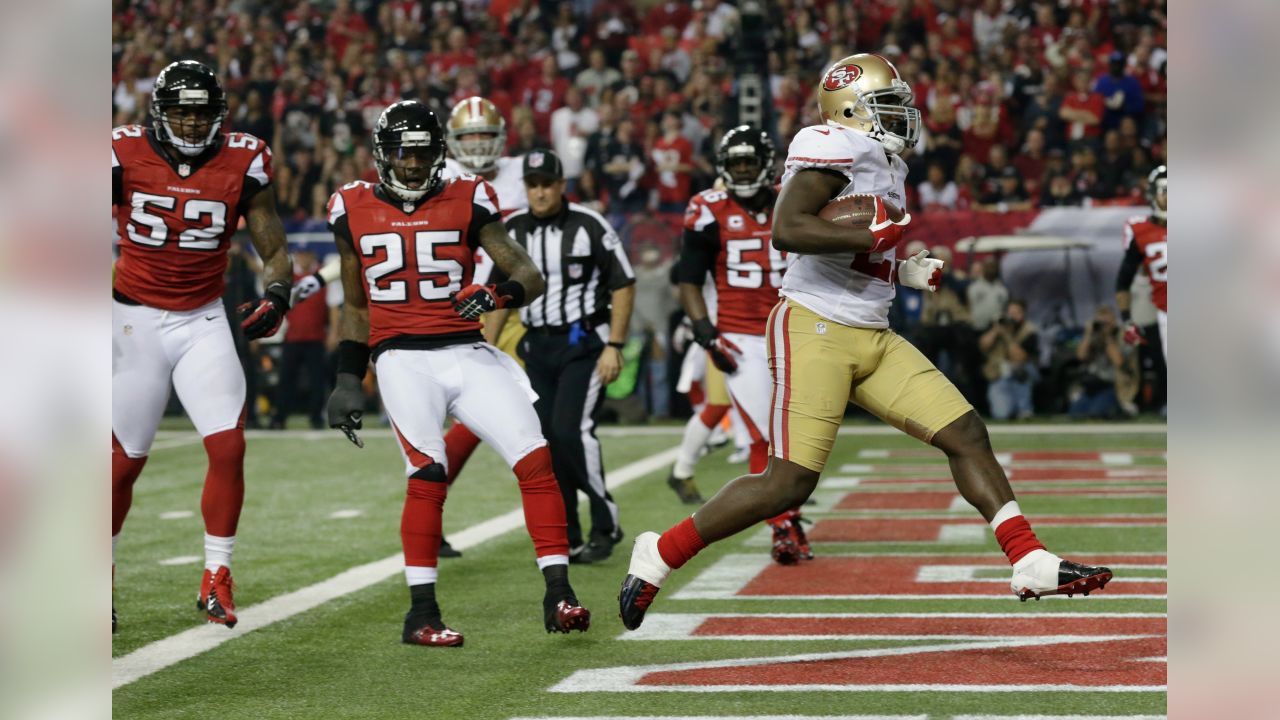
921,272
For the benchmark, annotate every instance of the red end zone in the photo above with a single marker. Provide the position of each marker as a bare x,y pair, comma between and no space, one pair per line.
930,529
877,576
928,625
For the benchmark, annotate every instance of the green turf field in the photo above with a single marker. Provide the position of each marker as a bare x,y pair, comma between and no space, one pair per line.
886,531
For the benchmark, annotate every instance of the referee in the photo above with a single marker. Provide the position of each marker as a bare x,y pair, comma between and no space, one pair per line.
573,347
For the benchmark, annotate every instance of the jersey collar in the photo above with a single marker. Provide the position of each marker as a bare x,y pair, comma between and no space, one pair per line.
186,167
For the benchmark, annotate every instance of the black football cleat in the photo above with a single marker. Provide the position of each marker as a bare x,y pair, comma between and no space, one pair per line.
686,489
565,615
447,550
215,597
1040,579
634,601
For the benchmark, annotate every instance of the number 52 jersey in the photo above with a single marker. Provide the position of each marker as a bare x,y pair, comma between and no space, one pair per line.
175,218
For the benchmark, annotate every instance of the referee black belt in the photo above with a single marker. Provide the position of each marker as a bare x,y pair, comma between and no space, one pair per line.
583,325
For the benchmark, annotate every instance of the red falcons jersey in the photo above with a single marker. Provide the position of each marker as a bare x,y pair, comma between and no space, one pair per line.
748,269
414,256
175,218
1151,240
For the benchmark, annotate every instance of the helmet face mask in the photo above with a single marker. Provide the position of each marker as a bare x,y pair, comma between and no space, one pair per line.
744,161
476,134
187,107
865,93
408,150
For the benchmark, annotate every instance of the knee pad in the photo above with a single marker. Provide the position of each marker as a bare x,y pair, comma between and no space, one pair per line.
434,472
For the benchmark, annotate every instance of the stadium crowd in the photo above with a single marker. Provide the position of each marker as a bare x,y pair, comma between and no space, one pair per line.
1026,104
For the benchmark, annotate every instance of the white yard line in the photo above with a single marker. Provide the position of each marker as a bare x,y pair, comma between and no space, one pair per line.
174,649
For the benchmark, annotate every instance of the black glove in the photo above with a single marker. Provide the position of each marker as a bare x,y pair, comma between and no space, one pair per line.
718,348
346,406
262,318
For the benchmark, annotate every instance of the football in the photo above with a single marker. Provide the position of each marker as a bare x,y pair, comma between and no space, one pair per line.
856,211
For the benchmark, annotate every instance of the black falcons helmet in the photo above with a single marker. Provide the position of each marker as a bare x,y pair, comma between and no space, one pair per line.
745,141
1158,180
187,83
408,123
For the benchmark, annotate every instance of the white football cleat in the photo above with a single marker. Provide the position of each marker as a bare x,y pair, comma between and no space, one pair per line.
1042,573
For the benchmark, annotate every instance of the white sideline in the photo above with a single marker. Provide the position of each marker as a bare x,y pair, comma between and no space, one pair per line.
174,649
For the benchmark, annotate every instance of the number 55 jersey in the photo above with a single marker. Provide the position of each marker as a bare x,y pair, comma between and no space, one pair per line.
175,217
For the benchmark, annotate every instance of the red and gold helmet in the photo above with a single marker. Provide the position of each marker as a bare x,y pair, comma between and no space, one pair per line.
476,116
865,92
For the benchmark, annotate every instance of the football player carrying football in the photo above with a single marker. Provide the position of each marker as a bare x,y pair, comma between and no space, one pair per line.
829,343
408,263
1146,245
180,188
727,235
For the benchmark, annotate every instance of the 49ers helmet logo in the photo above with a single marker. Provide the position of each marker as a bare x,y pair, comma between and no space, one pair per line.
841,77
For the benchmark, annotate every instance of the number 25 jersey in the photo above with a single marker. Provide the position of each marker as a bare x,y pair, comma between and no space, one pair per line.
1150,241
175,218
414,256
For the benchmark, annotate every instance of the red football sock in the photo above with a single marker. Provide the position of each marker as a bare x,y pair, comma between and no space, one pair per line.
711,415
680,543
421,521
544,515
759,460
784,517
224,482
459,443
124,471
695,394
1017,538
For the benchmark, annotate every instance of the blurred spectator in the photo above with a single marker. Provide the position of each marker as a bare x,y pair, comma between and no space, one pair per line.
1102,357
618,169
571,125
937,192
945,335
1032,162
1011,347
543,94
596,77
1007,193
1081,109
986,294
672,157
1060,192
311,330
1121,92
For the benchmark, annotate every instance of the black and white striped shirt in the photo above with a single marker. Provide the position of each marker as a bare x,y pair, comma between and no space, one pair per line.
582,259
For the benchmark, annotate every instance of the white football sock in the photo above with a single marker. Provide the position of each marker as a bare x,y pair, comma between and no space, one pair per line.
695,437
417,575
217,551
547,561
1010,510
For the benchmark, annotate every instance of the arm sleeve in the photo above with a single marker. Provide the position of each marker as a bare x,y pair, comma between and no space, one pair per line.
698,252
612,259
1129,266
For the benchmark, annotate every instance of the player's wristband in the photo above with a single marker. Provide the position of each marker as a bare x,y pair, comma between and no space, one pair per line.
513,290
1125,316
617,345
353,358
280,291
704,332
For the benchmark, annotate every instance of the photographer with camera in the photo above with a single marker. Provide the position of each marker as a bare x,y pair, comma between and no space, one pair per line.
1102,358
1011,346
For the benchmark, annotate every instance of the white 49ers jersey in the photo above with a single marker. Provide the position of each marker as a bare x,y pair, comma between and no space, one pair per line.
508,182
854,289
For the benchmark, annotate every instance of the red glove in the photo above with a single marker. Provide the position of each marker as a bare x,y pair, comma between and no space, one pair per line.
1133,335
262,318
474,300
886,232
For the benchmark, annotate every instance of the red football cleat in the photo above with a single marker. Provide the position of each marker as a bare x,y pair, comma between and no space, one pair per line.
215,597
567,615
430,633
